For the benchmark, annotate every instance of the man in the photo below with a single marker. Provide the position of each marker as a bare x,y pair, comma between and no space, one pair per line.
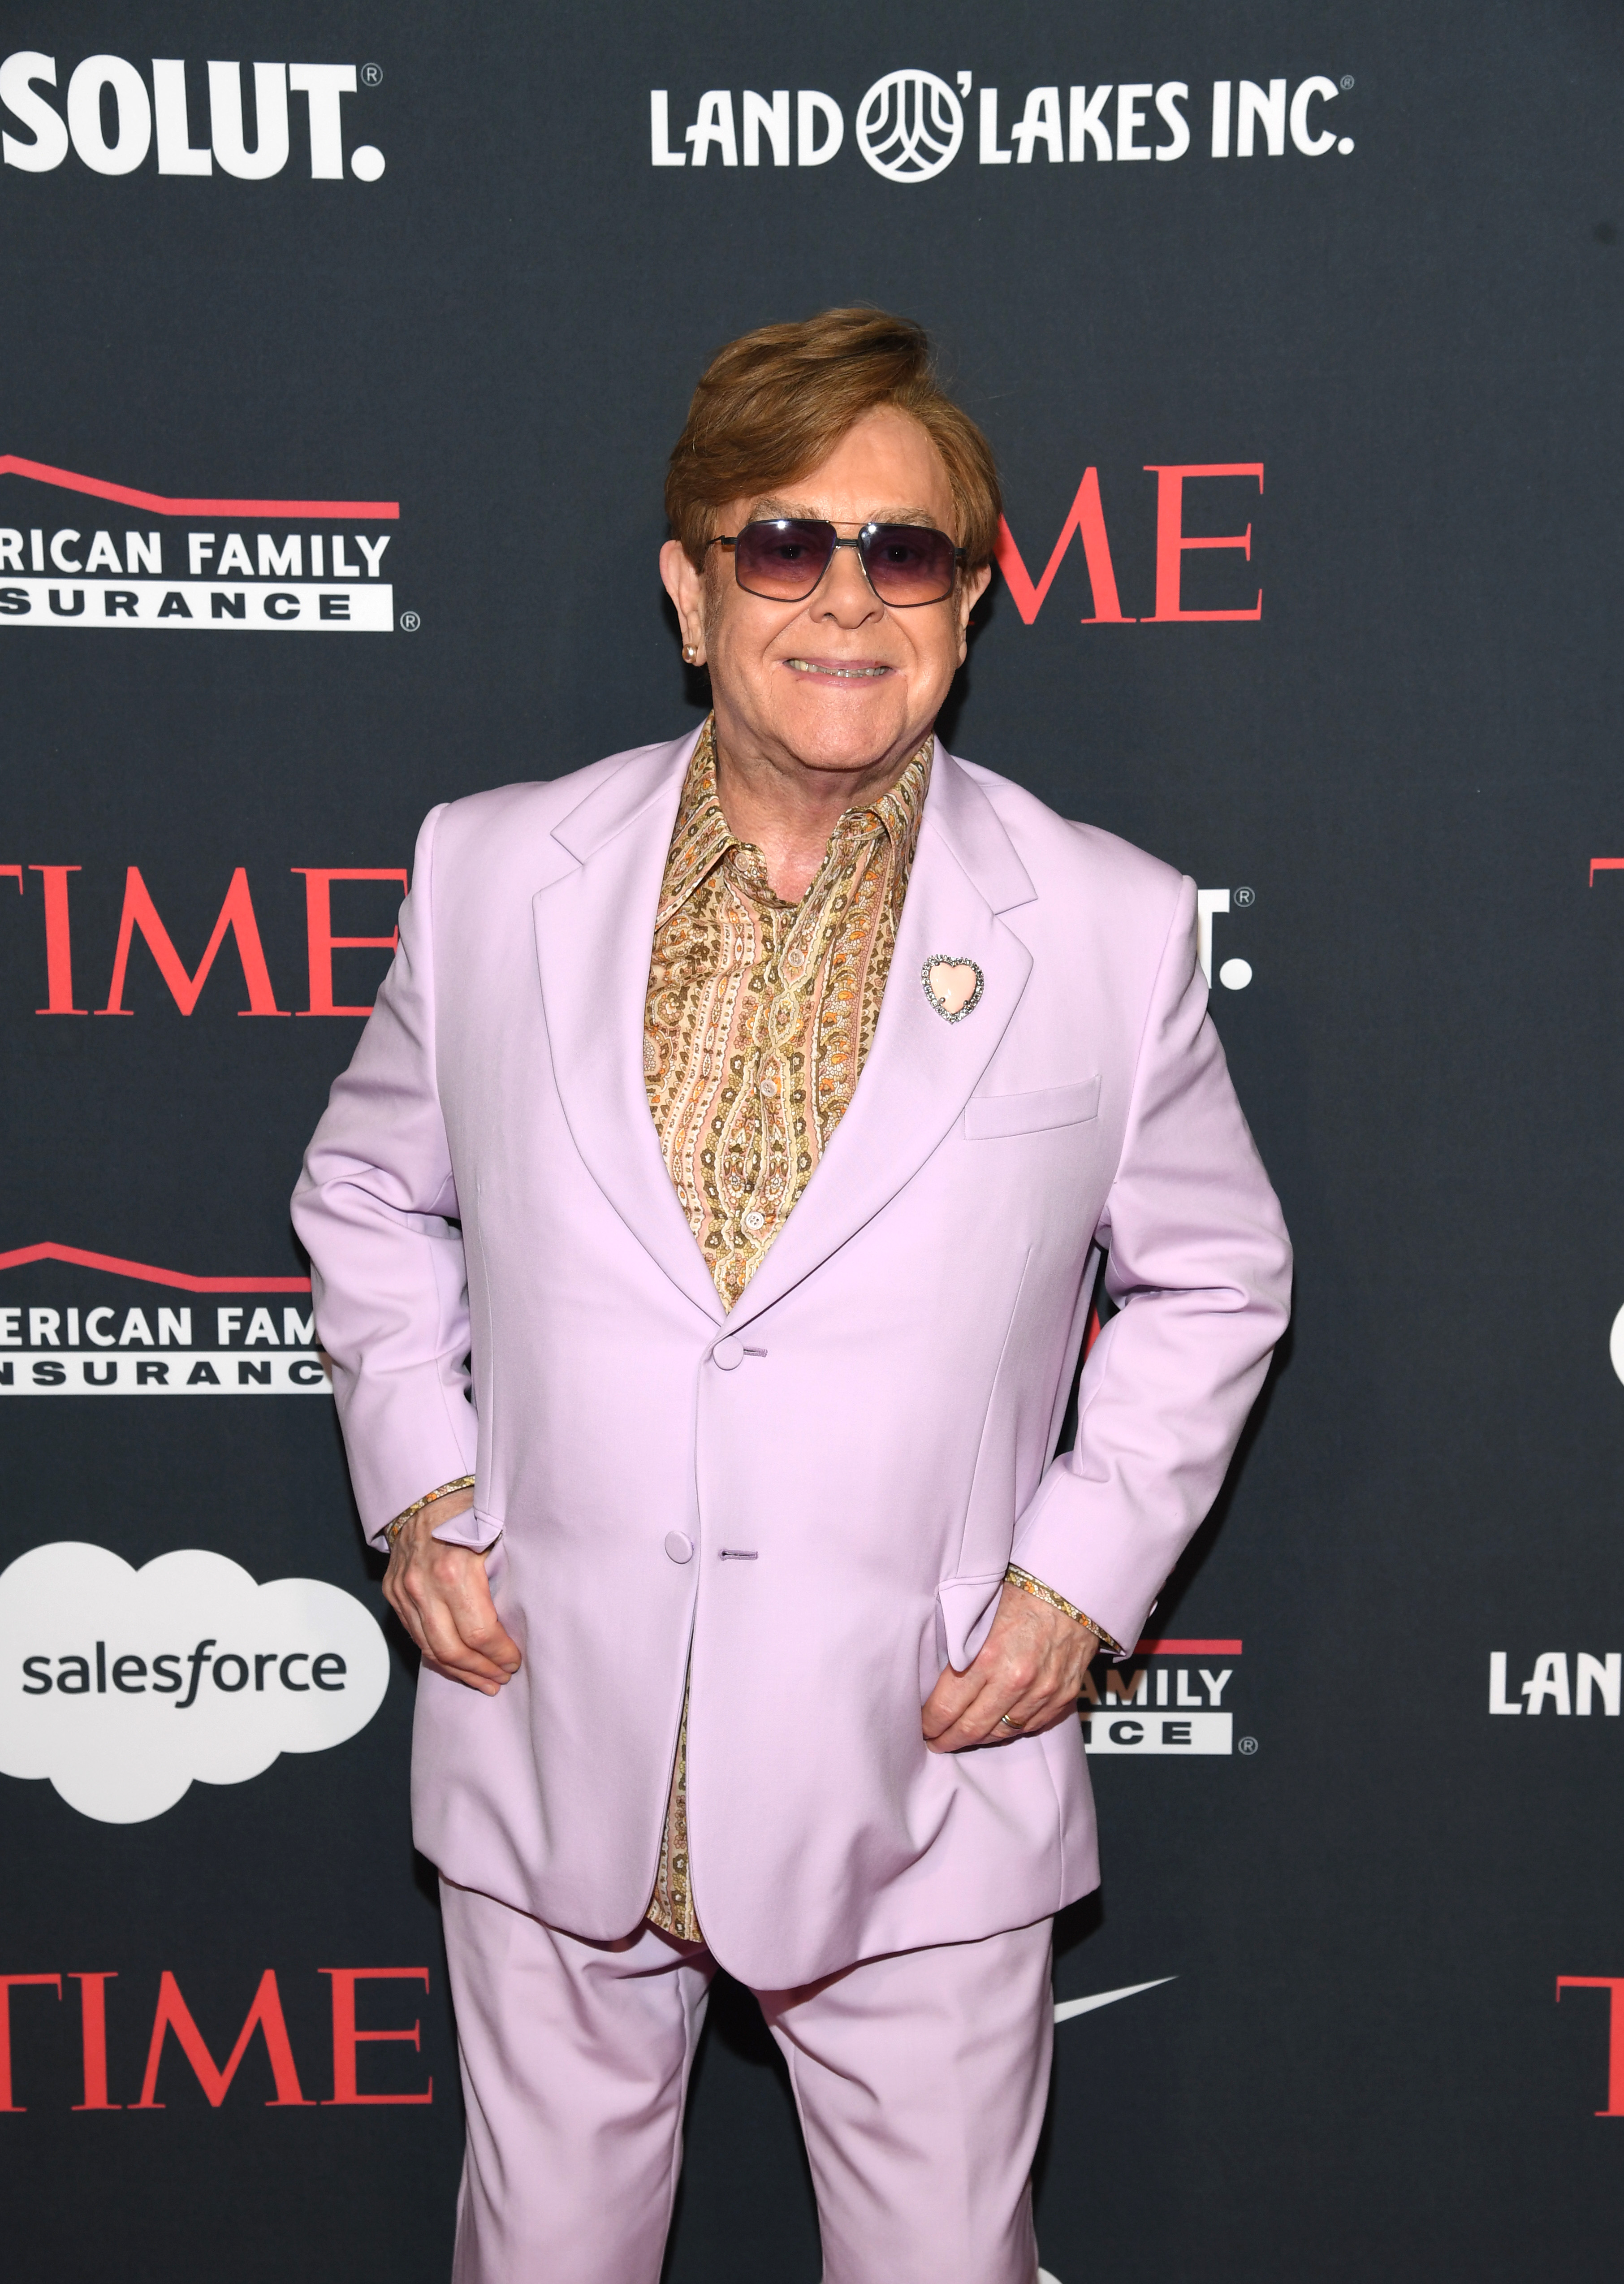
704,1236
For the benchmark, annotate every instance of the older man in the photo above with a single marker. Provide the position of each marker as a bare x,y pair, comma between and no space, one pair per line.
704,1236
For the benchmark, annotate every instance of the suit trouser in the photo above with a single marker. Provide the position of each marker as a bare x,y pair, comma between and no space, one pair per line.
919,2078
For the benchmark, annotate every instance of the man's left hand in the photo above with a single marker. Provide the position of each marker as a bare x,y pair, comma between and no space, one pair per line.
1030,1667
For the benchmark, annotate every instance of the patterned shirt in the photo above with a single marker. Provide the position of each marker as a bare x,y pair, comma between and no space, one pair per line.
760,1017
759,1013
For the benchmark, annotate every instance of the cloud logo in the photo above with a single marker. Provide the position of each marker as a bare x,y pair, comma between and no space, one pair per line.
126,1686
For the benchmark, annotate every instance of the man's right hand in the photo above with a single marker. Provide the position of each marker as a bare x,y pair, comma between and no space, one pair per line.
442,1596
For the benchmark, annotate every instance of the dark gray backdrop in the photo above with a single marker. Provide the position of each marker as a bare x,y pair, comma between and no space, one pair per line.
1409,761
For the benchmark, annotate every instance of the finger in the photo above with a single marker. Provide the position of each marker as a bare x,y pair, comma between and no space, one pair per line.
486,1688
979,1722
483,1631
971,1736
1016,1691
463,1605
442,1641
1053,1716
466,1597
1047,1704
954,1691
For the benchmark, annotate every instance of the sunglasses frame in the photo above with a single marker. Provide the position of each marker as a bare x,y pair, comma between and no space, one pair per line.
730,540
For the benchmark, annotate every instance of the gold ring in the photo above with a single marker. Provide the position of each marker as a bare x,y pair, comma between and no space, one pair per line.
1009,1724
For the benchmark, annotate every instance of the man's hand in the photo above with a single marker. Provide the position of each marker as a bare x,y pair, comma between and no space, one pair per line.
1030,1666
442,1596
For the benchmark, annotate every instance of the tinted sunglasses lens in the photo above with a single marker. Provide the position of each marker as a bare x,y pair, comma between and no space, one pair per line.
782,559
909,564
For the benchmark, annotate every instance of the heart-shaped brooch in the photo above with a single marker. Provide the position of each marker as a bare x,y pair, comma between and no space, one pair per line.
952,984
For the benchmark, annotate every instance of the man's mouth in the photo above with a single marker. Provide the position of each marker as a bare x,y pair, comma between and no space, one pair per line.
841,673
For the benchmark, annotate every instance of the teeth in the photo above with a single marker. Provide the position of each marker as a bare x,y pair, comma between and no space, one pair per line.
845,673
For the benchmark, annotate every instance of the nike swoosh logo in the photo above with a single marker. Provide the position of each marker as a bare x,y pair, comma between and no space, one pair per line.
1067,2007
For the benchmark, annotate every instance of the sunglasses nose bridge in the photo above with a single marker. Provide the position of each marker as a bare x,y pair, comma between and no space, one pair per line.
856,545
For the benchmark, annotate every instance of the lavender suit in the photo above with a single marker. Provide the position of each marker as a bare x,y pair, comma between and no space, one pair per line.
813,1498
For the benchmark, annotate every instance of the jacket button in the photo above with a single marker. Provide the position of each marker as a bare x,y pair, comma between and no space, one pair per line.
729,1354
679,1547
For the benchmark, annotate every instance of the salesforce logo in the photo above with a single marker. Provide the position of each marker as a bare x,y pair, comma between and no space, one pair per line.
910,126
124,1687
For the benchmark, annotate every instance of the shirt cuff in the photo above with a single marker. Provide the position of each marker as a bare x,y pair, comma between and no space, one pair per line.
1016,1576
393,1527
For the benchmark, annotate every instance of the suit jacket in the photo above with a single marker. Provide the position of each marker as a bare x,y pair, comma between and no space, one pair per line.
815,1499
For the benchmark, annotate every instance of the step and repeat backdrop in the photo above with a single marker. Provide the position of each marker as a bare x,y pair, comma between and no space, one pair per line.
343,348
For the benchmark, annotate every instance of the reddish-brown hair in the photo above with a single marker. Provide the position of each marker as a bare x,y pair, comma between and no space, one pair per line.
773,404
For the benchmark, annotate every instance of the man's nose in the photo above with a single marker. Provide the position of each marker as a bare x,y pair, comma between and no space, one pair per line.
844,593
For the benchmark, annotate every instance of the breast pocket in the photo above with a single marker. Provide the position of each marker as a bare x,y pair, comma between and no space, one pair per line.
989,1116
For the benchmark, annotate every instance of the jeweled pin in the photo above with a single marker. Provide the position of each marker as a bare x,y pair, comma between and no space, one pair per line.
952,984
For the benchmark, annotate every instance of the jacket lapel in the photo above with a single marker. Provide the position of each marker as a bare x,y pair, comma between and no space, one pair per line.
921,1069
594,931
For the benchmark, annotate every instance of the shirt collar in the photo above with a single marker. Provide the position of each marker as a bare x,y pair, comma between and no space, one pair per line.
703,837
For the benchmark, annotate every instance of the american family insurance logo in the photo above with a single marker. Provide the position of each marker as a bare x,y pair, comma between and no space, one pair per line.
74,1323
113,117
1171,1697
220,565
124,1687
912,124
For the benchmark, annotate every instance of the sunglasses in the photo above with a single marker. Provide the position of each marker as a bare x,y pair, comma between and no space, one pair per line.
783,557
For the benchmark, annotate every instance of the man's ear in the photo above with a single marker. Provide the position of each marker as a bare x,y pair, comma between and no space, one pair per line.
973,587
686,588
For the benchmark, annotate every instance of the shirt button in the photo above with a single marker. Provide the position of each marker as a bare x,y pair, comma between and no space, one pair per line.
679,1547
729,1354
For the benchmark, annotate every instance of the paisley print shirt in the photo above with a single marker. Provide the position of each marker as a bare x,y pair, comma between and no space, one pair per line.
759,1013
759,1018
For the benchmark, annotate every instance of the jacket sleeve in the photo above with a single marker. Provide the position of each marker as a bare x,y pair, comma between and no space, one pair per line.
376,1209
1199,1264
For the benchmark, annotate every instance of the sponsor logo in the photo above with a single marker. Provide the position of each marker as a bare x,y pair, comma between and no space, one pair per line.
103,1331
1085,520
1067,2008
1615,1337
1234,974
1592,1686
139,917
909,127
173,2021
208,565
1167,1698
1614,1985
123,1687
106,92
910,124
